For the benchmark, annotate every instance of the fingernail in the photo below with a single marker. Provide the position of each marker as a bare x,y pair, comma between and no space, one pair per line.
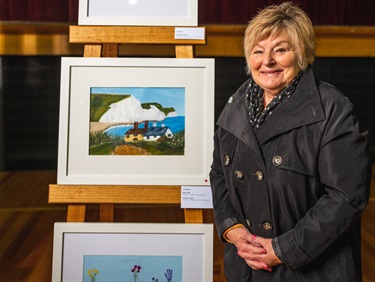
254,237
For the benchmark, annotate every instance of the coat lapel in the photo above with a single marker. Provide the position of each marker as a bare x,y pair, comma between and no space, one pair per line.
234,119
303,108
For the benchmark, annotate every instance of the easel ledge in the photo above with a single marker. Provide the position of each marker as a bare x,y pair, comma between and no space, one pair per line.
130,34
78,196
103,41
119,194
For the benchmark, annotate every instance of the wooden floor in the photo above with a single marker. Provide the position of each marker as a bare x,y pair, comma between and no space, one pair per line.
26,226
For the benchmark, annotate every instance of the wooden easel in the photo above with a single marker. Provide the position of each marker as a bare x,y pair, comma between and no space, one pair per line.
104,41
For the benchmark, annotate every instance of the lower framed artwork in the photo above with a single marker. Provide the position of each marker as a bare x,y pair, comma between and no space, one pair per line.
155,252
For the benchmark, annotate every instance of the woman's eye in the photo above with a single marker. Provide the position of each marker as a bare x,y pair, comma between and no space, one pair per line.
280,50
257,52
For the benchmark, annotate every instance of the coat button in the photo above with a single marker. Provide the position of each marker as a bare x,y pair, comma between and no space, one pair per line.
259,175
238,174
226,160
267,226
277,160
248,223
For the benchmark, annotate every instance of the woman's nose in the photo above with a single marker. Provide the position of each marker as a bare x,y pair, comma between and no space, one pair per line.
268,58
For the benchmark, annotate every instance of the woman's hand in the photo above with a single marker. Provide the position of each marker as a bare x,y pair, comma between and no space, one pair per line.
248,248
267,258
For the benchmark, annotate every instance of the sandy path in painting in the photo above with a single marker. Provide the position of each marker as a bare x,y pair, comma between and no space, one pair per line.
130,150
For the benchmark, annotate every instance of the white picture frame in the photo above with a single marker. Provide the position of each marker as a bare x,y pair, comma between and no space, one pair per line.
75,242
138,12
79,75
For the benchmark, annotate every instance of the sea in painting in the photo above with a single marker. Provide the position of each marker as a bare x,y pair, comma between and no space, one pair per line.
123,268
137,121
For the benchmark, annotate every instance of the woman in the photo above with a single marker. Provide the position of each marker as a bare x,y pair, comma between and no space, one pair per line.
290,174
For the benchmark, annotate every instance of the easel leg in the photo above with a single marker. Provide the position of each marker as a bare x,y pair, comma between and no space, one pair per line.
107,212
110,50
76,213
184,51
193,216
92,50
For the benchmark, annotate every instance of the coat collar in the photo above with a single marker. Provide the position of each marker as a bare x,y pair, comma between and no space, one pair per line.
303,108
234,119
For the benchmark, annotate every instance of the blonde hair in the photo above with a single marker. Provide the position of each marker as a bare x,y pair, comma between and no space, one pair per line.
278,18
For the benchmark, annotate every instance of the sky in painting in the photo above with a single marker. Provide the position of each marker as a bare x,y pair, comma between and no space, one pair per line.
166,96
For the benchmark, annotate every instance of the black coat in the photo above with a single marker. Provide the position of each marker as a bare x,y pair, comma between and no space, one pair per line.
302,179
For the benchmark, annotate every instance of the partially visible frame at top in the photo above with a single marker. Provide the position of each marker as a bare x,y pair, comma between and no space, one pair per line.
138,12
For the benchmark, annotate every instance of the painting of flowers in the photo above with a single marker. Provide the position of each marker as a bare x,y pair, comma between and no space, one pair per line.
92,274
137,121
118,268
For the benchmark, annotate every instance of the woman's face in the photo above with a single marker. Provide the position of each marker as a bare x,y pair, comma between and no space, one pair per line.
273,64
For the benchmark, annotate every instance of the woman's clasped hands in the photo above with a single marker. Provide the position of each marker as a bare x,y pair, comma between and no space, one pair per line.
257,251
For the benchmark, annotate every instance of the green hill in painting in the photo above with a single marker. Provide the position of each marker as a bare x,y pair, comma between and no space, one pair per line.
166,111
99,104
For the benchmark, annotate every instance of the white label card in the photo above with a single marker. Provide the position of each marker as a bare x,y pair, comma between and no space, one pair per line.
196,197
188,33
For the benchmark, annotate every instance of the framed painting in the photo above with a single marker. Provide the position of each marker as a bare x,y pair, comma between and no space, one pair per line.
136,121
138,12
152,252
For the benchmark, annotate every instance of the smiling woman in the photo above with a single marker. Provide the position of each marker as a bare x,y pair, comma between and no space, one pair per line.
273,65
290,166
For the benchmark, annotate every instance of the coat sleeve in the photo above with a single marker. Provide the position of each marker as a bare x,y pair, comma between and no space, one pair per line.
224,213
344,172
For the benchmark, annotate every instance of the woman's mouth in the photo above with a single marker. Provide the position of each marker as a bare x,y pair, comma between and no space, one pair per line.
271,72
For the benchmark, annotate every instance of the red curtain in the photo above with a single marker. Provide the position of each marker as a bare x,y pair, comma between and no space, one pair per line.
39,10
321,12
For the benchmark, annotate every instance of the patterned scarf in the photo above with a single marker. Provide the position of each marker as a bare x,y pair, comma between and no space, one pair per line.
254,100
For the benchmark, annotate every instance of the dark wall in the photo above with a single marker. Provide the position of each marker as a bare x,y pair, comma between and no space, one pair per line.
31,90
